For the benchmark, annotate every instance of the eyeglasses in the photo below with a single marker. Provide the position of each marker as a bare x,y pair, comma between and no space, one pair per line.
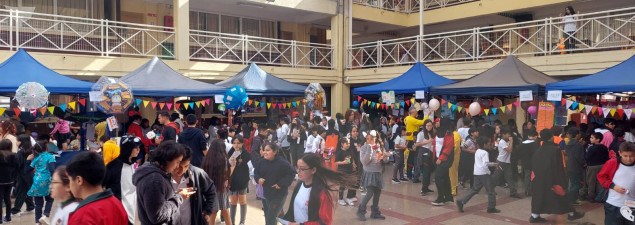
130,138
303,169
56,182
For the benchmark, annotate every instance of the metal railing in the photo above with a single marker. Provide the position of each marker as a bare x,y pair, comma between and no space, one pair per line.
599,31
410,6
56,33
222,47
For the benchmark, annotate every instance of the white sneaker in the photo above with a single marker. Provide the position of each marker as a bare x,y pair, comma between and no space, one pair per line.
349,201
44,220
341,202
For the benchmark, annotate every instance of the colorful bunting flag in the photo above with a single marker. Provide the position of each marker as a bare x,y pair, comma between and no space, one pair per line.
63,107
595,108
449,105
257,103
569,102
574,106
453,108
250,101
177,106
494,110
606,111
139,102
82,101
169,106
288,105
42,111
207,101
51,109
71,105
161,105
620,112
580,107
2,110
294,104
628,113
192,105
509,107
145,103
16,111
154,105
563,102
502,108
198,104
612,112
262,105
588,108
186,105
486,112
268,105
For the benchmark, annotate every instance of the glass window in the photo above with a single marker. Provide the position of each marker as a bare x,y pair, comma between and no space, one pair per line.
193,20
251,27
212,22
230,24
10,3
41,6
268,29
75,8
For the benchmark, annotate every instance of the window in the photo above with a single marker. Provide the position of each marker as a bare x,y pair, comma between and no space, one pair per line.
212,22
76,8
230,24
251,27
268,29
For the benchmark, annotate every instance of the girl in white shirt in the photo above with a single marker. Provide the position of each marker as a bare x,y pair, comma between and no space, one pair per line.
319,142
570,26
61,191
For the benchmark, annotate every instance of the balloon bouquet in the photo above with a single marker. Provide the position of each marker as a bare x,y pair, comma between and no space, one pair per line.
315,97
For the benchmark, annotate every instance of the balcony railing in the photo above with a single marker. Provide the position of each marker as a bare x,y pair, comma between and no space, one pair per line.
600,31
222,47
56,33
410,6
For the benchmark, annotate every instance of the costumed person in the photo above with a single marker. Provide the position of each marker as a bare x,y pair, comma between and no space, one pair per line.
550,183
454,169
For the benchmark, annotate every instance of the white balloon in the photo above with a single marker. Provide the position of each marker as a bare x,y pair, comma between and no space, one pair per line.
434,104
424,105
475,108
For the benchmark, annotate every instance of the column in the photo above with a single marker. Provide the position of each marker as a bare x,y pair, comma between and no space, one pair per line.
181,11
340,91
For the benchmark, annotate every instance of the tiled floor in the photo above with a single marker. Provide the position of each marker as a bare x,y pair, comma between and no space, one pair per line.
402,204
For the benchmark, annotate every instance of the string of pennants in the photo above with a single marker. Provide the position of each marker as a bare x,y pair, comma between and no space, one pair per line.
591,109
378,105
50,109
170,105
452,106
280,105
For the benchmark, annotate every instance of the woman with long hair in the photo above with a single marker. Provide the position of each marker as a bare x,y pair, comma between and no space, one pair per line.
275,175
371,156
24,178
311,202
216,165
7,166
239,180
570,26
7,131
425,143
43,163
444,148
61,191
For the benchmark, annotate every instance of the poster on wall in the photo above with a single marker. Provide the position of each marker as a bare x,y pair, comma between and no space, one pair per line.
388,97
546,112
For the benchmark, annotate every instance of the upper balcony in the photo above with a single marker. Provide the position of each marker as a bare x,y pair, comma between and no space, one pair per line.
410,6
598,31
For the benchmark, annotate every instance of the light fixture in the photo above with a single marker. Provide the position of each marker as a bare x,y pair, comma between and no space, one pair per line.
251,5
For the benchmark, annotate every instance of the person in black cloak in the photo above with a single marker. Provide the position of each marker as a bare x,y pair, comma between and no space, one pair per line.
549,182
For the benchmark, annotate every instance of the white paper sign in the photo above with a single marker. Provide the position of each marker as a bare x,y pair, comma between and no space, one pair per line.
218,98
525,96
555,95
95,96
420,94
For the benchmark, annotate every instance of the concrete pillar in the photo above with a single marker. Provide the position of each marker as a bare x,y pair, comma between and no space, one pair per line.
340,92
181,13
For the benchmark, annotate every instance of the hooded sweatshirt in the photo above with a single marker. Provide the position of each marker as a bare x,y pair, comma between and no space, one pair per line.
195,139
157,201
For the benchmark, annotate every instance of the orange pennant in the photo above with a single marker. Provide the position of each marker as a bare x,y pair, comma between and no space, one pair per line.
161,105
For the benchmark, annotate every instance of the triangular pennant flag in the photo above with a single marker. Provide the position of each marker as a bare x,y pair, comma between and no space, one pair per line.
207,101
574,106
368,103
580,107
198,104
359,98
296,104
161,105
502,108
262,105
177,106
154,105
82,101
145,103
33,112
412,100
612,112
202,102
63,107
403,104
373,105
51,109
486,112
509,107
139,102
442,101
257,103
186,105
516,103
453,108
268,105
397,105
460,108
16,111
620,112
273,105
606,111
364,101
392,105
289,105
563,102
42,111
494,110
284,106
191,105
72,105
588,109
169,106
628,113
408,103
2,110
449,105
250,101
569,102
594,109
279,105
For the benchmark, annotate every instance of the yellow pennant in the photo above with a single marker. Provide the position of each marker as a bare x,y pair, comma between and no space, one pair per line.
613,112
289,105
198,104
581,107
145,103
51,109
461,109
187,105
257,103
503,108
72,105
449,105
2,110
268,105
486,112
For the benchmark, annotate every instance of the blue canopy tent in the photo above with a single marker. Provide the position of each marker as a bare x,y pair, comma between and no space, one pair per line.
22,68
156,79
508,77
417,78
619,78
257,82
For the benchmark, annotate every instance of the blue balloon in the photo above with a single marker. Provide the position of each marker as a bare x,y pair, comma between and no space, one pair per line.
235,97
355,103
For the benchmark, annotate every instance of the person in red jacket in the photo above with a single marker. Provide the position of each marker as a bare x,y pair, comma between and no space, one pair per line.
136,130
617,177
98,207
444,149
311,195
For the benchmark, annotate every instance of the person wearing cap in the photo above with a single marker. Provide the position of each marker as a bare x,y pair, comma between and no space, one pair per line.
119,175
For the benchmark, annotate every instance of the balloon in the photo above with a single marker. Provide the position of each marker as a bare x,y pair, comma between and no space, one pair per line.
532,109
235,97
424,105
355,103
221,107
434,104
475,108
497,103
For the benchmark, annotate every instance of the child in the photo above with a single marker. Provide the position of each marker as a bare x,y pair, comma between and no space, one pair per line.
526,151
61,191
596,155
371,156
481,177
345,164
466,164
318,142
505,147
617,176
43,163
400,146
8,164
310,139
575,163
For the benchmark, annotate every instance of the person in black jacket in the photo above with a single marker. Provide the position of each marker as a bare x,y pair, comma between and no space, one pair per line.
24,178
275,175
297,137
8,165
595,156
119,174
575,164
525,153
195,139
194,179
238,189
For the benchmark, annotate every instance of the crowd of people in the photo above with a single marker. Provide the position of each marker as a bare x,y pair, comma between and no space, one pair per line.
175,172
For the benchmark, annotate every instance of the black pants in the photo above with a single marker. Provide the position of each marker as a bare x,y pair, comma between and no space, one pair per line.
352,192
39,204
426,171
569,41
274,207
612,216
296,151
442,180
20,197
285,154
5,196
466,168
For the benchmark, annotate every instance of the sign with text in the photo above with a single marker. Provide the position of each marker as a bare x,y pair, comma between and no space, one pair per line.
554,95
525,96
546,112
420,94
